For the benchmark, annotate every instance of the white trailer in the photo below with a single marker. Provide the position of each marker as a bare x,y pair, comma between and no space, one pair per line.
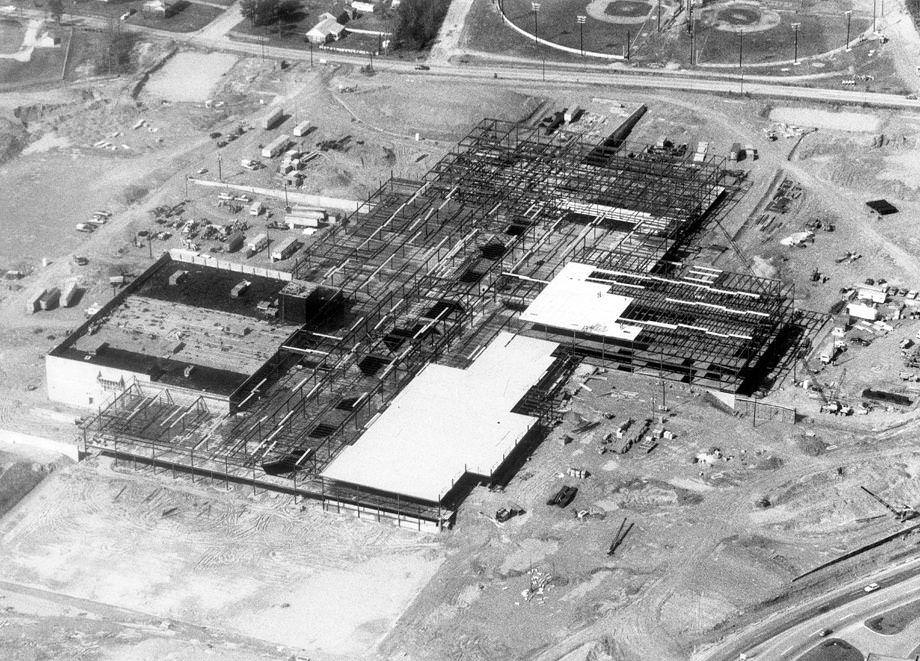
301,129
257,243
296,222
69,293
276,146
272,119
285,249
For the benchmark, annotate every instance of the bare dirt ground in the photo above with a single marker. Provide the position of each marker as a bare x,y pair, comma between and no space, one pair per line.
303,579
234,576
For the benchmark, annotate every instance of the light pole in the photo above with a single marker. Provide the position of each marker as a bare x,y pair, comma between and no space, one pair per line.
581,33
848,13
628,44
659,15
795,51
536,8
873,16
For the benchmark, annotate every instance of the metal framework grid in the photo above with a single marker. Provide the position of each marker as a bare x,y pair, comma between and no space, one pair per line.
430,271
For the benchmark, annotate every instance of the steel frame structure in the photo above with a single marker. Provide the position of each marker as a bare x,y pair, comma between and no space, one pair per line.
431,270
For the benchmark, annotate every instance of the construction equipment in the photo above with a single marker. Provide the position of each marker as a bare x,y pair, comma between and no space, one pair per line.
563,497
903,513
622,531
835,391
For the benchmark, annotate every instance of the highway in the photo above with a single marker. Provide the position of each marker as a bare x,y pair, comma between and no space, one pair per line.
789,633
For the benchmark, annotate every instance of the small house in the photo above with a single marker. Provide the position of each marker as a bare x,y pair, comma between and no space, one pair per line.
159,8
328,29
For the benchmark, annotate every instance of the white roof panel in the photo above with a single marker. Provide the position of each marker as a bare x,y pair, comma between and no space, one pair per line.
571,302
447,422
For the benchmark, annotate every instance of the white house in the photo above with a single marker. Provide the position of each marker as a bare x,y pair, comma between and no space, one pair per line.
328,29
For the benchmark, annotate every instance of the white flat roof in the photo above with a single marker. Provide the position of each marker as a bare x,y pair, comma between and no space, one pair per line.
571,302
447,422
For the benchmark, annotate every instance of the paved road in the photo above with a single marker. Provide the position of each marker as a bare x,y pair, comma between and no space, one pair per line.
794,631
554,74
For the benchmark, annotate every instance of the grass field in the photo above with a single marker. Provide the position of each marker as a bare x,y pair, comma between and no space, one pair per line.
768,34
11,33
46,65
292,33
190,17
896,620
833,650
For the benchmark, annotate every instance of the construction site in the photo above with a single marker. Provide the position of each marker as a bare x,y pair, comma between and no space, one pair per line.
451,355
522,252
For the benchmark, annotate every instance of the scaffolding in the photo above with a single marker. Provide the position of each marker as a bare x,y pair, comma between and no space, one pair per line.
432,270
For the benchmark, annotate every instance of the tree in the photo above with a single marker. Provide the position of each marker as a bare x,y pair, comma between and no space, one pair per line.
260,12
56,9
418,22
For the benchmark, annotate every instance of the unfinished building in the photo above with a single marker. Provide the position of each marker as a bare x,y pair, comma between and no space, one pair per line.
436,327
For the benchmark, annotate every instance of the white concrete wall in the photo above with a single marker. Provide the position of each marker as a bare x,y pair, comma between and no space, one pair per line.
76,382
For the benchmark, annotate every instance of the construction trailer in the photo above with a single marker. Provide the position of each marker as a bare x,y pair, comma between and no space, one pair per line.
257,243
70,293
272,119
401,301
276,146
301,129
285,249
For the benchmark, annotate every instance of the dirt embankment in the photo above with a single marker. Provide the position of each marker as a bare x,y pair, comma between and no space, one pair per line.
13,138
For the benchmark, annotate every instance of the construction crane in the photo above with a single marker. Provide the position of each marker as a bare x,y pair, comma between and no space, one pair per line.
814,381
835,393
902,514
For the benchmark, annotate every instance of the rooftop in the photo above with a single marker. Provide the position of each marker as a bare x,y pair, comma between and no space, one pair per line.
161,330
447,422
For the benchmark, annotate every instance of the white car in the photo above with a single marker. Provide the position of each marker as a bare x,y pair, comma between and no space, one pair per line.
872,587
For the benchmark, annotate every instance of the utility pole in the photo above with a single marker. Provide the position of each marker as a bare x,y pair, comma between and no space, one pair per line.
692,58
873,16
847,45
628,44
311,54
581,33
220,174
740,56
795,32
659,15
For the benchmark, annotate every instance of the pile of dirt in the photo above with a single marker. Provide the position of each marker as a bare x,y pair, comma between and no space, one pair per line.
13,138
16,481
811,445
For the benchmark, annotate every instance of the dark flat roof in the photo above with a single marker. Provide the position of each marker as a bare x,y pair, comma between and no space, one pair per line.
882,207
